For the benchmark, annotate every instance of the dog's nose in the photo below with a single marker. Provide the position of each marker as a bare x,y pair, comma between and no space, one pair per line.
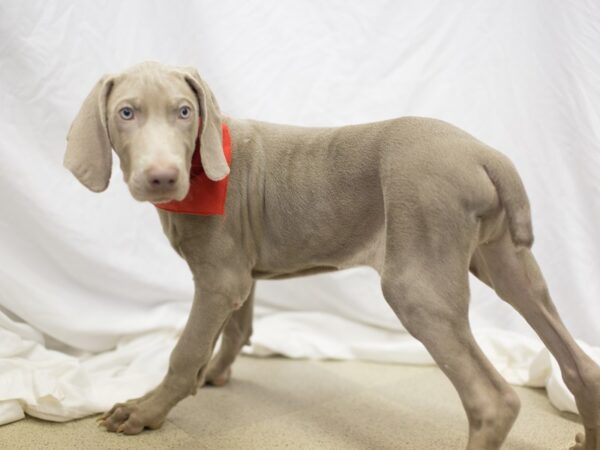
162,177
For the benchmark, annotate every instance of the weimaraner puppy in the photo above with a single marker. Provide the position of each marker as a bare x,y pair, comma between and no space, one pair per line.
417,199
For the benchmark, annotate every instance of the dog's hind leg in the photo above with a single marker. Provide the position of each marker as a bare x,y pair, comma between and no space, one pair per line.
235,335
517,279
478,268
427,287
436,313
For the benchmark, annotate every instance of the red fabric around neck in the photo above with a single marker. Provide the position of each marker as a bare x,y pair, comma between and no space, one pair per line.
205,197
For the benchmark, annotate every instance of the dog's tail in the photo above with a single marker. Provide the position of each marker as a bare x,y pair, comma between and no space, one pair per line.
513,198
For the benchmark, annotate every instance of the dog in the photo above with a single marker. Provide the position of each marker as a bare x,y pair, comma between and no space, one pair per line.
419,200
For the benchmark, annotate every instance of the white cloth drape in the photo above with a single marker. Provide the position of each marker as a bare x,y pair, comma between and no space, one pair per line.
91,296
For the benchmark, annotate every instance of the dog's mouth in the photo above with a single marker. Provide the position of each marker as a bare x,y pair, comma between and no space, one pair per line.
160,200
165,197
158,197
158,186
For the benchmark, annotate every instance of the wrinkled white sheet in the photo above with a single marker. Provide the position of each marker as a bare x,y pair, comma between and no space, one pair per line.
91,296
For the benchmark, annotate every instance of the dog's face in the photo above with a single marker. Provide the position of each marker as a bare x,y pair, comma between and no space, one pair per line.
152,119
151,115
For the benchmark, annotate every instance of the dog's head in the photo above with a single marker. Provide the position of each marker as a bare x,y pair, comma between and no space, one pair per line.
151,116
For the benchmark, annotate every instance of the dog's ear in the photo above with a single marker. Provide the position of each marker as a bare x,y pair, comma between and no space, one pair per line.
88,155
211,135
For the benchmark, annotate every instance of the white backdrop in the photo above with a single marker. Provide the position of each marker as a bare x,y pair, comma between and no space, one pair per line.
84,273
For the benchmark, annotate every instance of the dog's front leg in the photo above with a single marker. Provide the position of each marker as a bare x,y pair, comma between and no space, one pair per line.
210,310
236,334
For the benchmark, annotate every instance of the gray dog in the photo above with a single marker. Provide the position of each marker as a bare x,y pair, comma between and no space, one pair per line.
417,199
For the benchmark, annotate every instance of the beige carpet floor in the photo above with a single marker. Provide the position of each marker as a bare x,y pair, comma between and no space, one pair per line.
277,403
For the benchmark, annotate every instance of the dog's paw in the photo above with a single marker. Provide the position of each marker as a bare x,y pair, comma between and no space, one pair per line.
579,442
218,378
591,440
132,417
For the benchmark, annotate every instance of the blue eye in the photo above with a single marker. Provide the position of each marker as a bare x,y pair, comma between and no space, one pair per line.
126,113
185,112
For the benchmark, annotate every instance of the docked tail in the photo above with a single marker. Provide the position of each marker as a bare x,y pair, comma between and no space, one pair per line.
513,198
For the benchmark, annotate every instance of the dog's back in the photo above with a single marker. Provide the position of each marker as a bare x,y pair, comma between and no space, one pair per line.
319,198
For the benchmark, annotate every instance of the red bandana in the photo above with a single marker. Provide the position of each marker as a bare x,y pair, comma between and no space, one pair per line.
205,197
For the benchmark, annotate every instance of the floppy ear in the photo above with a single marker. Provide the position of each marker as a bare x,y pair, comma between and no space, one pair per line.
88,155
211,135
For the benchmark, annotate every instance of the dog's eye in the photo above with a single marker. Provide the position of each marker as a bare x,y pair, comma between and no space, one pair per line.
126,113
185,112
